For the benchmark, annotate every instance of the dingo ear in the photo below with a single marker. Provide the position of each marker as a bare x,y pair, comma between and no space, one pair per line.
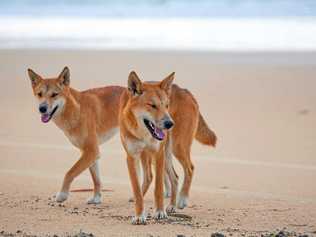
64,77
166,84
134,84
35,78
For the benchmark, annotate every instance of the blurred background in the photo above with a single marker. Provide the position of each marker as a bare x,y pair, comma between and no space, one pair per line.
159,24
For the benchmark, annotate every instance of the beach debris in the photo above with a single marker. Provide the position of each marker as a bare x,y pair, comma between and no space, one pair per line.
75,210
82,234
20,234
17,233
217,235
182,216
283,233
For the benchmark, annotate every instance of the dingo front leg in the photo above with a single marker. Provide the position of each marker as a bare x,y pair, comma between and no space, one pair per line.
140,216
160,211
87,158
147,172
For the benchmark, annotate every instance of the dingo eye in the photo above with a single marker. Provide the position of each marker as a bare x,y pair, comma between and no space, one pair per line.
39,94
54,95
153,106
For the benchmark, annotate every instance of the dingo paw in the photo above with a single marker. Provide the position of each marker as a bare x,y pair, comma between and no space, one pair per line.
160,214
96,199
139,220
182,202
171,208
61,196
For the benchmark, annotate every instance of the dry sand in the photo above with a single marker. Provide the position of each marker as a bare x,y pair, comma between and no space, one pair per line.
259,180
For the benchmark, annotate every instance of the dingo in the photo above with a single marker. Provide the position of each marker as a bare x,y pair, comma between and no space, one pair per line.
88,119
147,111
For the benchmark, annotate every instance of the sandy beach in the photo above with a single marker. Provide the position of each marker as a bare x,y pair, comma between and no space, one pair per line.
259,180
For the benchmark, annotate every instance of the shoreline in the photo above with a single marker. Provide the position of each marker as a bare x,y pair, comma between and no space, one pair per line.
258,57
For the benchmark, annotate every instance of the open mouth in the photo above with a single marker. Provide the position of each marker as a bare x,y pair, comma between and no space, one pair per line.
154,131
46,117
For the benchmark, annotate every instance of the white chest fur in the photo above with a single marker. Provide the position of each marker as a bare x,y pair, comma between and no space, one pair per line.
75,140
106,136
135,147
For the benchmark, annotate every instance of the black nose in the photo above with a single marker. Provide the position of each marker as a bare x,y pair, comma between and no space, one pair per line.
168,124
43,109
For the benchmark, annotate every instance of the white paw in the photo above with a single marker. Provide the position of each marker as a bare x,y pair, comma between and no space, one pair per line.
61,196
96,199
160,214
182,202
139,220
171,208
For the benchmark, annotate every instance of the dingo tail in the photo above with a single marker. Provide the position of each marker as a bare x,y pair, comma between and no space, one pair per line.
204,134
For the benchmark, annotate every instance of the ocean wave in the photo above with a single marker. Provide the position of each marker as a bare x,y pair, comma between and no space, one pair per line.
179,33
160,8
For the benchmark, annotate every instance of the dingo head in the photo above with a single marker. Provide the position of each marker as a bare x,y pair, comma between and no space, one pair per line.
149,103
50,93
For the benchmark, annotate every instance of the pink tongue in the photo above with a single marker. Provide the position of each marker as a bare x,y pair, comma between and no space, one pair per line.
159,133
45,118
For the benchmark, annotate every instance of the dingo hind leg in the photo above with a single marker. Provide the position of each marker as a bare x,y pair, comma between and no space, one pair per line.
171,176
183,156
95,174
182,138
